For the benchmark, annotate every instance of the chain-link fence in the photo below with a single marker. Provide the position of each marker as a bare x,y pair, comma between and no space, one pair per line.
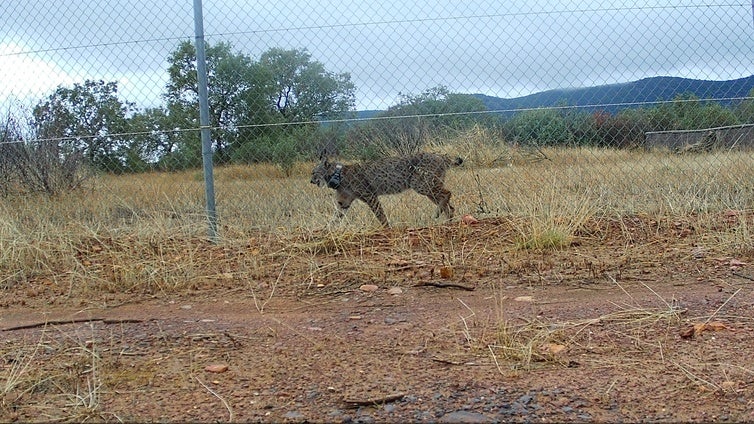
549,105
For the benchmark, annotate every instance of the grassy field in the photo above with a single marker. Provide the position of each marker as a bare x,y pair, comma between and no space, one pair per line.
549,193
602,225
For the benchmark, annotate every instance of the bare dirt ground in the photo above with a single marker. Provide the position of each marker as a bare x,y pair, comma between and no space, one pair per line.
636,320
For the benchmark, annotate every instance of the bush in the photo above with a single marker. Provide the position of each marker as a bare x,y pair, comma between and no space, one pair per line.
37,166
543,127
283,148
28,168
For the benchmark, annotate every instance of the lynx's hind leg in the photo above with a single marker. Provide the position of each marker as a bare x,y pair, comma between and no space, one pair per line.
443,203
376,207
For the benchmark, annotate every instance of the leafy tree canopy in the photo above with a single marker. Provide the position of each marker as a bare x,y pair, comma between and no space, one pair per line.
284,86
88,118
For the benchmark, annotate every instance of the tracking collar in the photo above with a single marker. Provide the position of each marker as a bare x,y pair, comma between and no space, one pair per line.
334,180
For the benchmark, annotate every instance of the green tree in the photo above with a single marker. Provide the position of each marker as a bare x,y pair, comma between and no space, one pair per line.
245,97
431,114
231,88
745,109
539,126
688,112
299,89
156,141
440,108
88,118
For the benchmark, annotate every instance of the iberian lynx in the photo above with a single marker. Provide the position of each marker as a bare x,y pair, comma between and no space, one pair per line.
421,172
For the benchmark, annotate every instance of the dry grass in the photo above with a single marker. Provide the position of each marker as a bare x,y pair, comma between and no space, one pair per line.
527,344
74,383
138,233
145,235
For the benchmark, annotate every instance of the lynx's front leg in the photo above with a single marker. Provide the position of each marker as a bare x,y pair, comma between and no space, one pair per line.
338,215
343,200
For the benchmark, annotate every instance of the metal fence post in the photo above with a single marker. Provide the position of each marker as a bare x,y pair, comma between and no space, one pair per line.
204,124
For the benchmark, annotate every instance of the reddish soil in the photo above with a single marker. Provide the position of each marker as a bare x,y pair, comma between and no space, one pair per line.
637,320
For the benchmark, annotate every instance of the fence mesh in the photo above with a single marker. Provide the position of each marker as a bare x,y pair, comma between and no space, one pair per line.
556,109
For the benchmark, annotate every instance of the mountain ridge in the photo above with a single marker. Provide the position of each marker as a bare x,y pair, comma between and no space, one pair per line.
614,97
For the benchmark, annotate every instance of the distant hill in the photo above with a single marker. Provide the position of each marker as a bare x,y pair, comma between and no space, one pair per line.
614,97
368,114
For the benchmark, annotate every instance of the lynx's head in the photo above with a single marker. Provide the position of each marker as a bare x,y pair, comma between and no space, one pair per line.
326,174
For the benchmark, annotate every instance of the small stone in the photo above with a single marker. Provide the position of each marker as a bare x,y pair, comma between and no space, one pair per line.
365,418
728,385
368,288
335,413
294,415
396,319
464,417
525,399
552,348
395,291
446,272
469,219
216,368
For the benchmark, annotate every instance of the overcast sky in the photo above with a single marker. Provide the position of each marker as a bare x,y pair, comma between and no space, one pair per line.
500,48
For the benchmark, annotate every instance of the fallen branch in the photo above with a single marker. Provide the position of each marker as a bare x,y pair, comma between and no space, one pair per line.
70,321
447,361
374,401
738,274
445,285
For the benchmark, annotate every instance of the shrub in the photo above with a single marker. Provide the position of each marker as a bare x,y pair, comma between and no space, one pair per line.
36,166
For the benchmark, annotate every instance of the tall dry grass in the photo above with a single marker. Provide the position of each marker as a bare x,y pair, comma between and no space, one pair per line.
147,234
550,192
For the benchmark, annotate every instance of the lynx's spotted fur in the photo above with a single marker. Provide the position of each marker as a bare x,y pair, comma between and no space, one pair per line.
421,172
